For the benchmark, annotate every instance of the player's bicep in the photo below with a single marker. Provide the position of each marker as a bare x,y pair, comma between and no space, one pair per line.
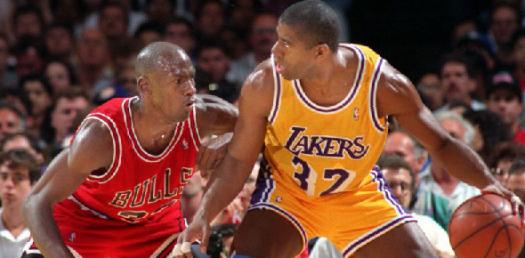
91,150
254,106
398,97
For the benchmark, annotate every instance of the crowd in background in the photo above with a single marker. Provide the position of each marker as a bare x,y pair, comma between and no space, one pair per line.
60,58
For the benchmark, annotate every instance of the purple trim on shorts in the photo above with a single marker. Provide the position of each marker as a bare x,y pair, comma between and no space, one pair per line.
277,96
376,233
264,184
347,100
383,187
288,216
373,95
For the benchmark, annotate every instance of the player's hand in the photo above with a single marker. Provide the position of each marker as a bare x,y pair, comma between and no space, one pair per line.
197,231
498,188
211,152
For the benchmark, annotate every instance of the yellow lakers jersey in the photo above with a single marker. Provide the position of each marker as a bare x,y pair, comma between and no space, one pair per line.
319,150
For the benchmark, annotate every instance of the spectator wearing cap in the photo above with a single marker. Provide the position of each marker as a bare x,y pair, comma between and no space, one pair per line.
505,99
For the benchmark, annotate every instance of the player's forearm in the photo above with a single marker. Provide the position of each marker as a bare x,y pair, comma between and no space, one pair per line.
225,183
39,219
463,163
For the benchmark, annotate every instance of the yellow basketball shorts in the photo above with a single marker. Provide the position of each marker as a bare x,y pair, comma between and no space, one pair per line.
348,219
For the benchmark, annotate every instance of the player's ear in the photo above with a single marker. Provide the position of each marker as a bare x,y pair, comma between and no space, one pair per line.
323,50
143,84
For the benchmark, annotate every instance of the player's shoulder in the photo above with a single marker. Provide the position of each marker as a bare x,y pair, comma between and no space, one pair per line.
92,144
257,92
93,134
261,80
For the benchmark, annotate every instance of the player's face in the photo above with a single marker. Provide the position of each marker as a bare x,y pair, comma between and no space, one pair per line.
174,87
293,58
15,184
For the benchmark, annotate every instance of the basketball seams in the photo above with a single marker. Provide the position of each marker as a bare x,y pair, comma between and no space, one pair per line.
507,229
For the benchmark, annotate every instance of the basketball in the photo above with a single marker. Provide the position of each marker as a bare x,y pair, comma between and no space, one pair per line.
484,226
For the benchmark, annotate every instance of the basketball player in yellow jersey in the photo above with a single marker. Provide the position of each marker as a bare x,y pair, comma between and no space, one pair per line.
319,108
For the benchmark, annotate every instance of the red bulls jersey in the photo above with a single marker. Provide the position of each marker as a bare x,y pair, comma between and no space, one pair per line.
137,184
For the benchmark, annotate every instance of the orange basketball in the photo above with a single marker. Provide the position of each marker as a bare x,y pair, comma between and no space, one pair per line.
484,226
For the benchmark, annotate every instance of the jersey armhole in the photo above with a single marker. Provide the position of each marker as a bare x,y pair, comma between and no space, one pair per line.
194,129
117,148
376,121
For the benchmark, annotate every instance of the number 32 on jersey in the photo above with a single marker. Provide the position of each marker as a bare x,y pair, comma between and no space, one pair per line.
306,177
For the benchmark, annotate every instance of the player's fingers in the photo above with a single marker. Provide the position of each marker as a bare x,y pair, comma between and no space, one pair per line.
517,206
177,253
186,249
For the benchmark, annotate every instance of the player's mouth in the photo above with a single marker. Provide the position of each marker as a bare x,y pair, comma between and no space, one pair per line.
190,103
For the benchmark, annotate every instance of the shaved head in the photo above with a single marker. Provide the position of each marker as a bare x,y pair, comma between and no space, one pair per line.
162,57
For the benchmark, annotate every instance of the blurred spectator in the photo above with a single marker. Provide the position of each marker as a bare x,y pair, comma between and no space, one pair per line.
11,120
93,67
8,78
503,155
213,60
179,31
401,144
519,58
401,180
69,12
16,98
516,179
431,91
60,75
439,180
149,32
192,195
160,11
125,85
59,41
26,142
28,20
113,20
504,22
39,93
241,14
210,20
29,53
262,37
458,80
18,172
68,104
491,130
134,18
505,99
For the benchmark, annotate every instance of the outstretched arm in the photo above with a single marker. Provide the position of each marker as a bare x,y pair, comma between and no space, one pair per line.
226,182
397,97
215,121
90,150
214,115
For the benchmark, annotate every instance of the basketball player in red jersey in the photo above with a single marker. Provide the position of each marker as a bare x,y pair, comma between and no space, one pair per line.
115,191
319,108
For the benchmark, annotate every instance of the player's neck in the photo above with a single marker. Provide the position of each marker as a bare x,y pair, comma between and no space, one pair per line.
153,138
327,72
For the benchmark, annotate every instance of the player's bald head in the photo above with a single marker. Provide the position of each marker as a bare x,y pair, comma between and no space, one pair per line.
161,57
